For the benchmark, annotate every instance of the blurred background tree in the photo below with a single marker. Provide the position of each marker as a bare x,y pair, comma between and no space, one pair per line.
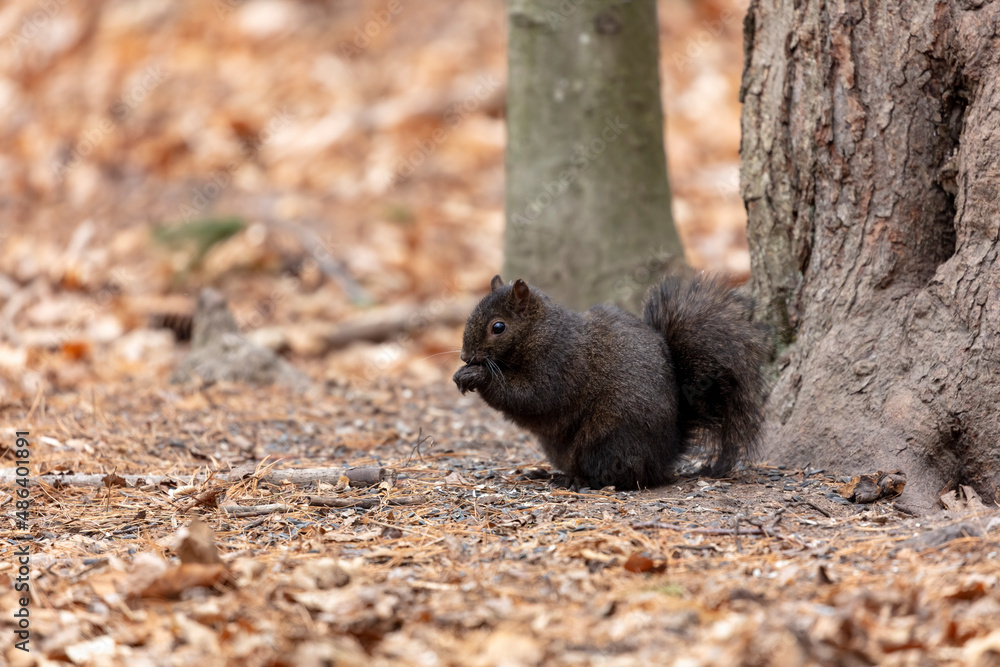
315,160
588,201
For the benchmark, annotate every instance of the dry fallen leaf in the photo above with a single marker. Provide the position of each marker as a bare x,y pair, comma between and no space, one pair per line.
175,581
963,499
195,543
463,578
76,350
869,488
638,563
112,479
322,574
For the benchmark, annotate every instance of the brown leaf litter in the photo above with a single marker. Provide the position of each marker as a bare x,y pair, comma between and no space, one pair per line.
461,555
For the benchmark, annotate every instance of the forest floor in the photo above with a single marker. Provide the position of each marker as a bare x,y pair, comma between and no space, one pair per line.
463,556
263,148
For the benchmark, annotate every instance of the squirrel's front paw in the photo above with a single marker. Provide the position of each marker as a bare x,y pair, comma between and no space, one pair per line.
561,480
469,378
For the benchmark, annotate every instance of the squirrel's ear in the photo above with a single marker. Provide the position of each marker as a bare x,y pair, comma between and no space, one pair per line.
496,283
521,294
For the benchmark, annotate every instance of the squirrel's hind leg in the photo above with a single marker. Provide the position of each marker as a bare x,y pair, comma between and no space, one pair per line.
630,459
561,480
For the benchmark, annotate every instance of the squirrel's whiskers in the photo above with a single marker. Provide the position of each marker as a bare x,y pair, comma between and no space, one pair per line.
438,354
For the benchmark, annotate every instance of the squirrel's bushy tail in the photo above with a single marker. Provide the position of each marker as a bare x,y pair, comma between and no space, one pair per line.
718,356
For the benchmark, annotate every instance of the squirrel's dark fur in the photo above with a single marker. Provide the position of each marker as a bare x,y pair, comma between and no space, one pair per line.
615,400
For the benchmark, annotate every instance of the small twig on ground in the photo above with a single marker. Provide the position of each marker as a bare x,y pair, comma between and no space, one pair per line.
697,547
364,476
39,396
207,498
256,510
421,439
767,529
489,498
364,503
701,531
256,522
361,476
816,507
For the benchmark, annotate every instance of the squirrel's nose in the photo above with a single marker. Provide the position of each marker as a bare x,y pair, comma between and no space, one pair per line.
469,357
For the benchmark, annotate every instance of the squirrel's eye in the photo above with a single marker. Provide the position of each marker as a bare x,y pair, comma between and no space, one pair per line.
498,328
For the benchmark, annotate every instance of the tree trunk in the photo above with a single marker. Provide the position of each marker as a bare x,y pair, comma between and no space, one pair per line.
870,173
588,202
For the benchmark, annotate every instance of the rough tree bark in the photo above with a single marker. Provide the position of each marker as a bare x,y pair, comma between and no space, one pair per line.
587,194
870,172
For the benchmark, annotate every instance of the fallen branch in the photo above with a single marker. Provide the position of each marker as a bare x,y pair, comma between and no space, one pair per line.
489,499
358,477
258,510
381,325
697,547
364,503
753,530
374,326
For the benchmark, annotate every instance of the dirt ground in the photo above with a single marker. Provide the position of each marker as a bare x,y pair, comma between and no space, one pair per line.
148,150
489,566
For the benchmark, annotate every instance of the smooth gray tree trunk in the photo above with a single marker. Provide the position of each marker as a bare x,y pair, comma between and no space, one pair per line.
871,176
588,201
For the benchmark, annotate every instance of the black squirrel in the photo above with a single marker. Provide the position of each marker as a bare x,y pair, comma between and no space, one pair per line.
615,400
